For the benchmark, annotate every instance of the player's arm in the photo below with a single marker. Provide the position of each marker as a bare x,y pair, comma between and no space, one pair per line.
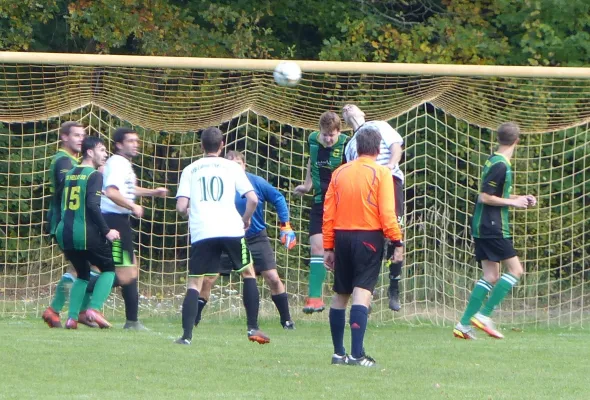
113,193
184,193
394,143
386,203
495,179
328,225
273,196
306,187
62,166
93,195
157,192
246,190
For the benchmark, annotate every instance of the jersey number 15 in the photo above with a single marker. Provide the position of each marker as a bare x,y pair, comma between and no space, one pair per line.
72,198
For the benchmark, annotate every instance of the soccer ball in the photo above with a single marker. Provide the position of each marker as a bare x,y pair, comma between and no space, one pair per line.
287,73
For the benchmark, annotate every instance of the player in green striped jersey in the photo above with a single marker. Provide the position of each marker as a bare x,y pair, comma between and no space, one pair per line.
326,153
71,134
493,241
84,235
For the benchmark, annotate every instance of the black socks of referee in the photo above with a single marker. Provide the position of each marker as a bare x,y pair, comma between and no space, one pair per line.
190,307
131,298
251,299
282,304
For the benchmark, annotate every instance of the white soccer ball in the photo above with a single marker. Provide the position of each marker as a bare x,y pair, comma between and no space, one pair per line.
287,73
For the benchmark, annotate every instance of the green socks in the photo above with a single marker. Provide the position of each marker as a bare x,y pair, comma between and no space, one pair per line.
503,286
317,275
76,297
59,298
478,295
102,289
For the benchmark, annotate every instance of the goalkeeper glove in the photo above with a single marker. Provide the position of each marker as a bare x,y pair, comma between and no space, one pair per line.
288,238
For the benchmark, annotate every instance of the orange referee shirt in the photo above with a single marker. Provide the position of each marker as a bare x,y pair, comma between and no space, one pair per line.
360,197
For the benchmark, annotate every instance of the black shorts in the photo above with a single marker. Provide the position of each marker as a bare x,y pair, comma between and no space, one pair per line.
261,252
101,257
494,249
316,219
358,260
398,191
205,257
122,256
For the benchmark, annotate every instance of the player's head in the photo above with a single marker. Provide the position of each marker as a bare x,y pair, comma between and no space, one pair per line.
329,128
368,141
126,142
237,157
353,116
93,149
72,134
212,140
508,134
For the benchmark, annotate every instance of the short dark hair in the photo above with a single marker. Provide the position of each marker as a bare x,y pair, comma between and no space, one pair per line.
211,139
329,121
120,133
66,127
235,155
368,141
508,133
90,143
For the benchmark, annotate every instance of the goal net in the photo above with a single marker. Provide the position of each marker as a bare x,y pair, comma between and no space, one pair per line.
446,117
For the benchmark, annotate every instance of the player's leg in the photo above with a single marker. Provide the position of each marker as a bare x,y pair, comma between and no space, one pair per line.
367,252
395,268
80,264
317,271
204,295
102,258
241,259
343,280
491,271
126,268
265,264
504,285
204,261
82,317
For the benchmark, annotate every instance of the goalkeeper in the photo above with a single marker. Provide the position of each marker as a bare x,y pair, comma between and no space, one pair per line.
259,243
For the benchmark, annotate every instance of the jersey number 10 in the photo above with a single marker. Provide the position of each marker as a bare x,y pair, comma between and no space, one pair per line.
72,198
211,189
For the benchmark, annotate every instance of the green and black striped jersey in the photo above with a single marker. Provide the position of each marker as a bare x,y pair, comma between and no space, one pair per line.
324,160
496,180
82,225
61,163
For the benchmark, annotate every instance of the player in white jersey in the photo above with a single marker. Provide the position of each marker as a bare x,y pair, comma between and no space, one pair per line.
207,192
390,155
117,205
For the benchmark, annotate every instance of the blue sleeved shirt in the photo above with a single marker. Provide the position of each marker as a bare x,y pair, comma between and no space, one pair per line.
266,193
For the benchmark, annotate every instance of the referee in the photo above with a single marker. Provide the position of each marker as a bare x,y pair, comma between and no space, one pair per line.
359,213
117,204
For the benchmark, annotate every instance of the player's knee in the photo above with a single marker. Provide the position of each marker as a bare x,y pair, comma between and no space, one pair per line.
340,301
272,279
515,268
491,277
249,272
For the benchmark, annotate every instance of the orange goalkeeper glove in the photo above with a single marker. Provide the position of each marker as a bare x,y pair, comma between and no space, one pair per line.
288,238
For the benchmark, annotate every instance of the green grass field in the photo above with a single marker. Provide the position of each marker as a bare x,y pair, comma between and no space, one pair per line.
414,363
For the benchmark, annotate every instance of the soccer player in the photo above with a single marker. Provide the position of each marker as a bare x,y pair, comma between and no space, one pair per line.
326,149
359,213
117,204
71,134
209,186
259,244
390,153
84,235
491,233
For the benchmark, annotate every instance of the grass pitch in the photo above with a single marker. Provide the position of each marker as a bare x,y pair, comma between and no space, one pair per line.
413,363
